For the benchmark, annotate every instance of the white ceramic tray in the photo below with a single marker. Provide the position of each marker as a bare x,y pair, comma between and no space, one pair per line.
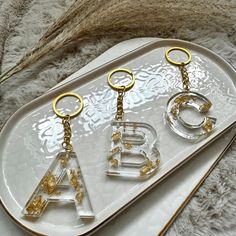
31,124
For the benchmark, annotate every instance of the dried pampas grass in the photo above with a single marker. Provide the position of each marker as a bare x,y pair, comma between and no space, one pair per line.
87,19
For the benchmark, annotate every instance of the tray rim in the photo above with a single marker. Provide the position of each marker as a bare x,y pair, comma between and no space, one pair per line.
103,67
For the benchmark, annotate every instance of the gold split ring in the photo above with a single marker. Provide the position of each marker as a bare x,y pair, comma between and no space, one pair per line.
178,49
121,88
70,94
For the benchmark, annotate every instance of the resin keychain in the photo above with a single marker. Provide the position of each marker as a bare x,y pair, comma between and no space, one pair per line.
63,181
133,147
188,100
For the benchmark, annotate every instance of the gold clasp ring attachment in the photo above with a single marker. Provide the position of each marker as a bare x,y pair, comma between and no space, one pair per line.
122,87
70,94
175,62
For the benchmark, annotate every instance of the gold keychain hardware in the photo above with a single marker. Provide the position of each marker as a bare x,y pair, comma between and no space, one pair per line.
181,65
121,90
70,94
66,118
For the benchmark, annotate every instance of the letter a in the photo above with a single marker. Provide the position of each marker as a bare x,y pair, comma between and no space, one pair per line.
63,182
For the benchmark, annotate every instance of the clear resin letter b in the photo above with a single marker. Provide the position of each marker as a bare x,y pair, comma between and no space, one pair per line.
133,151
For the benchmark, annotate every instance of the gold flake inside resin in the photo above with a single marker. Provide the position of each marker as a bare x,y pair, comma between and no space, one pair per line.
116,136
74,182
73,178
149,166
208,125
113,152
128,145
114,162
79,196
205,107
144,170
184,99
174,111
64,159
36,206
158,162
116,150
49,184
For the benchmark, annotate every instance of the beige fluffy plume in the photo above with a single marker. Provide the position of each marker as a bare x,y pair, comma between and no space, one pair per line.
95,18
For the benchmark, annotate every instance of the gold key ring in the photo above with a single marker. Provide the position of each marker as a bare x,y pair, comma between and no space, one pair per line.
121,88
70,94
175,62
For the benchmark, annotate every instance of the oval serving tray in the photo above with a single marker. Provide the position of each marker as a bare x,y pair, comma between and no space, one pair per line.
31,138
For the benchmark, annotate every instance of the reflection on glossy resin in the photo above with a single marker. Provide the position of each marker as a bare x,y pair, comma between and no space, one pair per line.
133,150
179,125
62,183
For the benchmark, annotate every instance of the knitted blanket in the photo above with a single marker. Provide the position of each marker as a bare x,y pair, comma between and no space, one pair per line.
212,211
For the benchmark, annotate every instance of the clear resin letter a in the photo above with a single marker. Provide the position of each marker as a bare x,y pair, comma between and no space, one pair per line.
63,182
